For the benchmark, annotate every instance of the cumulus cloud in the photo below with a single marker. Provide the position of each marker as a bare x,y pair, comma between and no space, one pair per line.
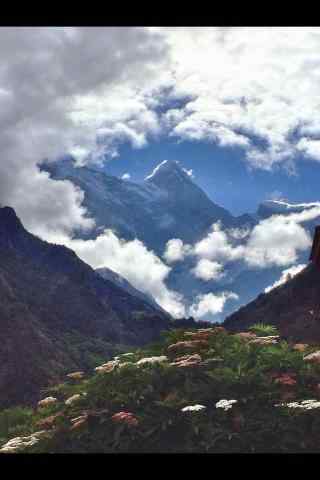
210,304
207,270
274,241
254,88
176,250
311,148
217,246
77,90
131,259
238,233
286,275
277,241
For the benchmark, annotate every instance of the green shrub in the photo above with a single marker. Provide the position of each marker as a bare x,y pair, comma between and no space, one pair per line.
156,393
15,420
263,330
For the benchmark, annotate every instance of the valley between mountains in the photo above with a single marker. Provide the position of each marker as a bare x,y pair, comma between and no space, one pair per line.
91,363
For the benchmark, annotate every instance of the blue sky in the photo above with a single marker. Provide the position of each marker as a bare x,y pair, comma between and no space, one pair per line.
222,173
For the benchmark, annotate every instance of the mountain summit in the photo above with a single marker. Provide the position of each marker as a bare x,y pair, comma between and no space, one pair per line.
167,204
9,222
169,170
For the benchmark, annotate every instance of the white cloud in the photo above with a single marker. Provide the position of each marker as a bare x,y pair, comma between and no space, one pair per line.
216,246
176,250
238,233
311,148
286,275
246,84
140,266
207,270
210,304
274,241
126,176
62,90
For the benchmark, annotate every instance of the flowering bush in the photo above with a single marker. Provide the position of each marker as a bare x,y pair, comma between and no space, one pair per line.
125,417
262,388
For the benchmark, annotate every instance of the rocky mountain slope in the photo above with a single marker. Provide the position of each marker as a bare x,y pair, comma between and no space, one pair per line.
121,282
56,312
293,307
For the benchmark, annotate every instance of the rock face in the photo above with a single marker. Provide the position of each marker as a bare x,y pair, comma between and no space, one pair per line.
292,307
315,251
49,296
121,282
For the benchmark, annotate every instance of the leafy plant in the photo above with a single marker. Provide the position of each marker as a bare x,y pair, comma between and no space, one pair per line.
263,330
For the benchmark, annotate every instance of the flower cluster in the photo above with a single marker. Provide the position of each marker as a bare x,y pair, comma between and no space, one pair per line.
79,421
193,408
76,375
125,417
47,401
18,444
225,404
107,367
75,398
286,379
152,360
304,405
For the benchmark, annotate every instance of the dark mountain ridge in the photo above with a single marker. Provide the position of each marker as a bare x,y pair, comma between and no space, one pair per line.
294,308
47,294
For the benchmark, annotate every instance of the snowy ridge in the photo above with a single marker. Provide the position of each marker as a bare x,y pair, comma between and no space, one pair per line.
171,166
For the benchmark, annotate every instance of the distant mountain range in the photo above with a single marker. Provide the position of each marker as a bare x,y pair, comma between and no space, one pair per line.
58,314
168,204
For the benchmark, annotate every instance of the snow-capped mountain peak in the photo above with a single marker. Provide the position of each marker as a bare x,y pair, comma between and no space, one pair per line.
169,168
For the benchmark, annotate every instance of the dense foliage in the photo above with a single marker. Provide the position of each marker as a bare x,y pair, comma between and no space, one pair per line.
261,329
266,383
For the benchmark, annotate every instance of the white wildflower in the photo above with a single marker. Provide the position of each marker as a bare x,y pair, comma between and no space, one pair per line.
193,408
75,398
152,360
20,443
107,367
304,405
47,401
225,404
